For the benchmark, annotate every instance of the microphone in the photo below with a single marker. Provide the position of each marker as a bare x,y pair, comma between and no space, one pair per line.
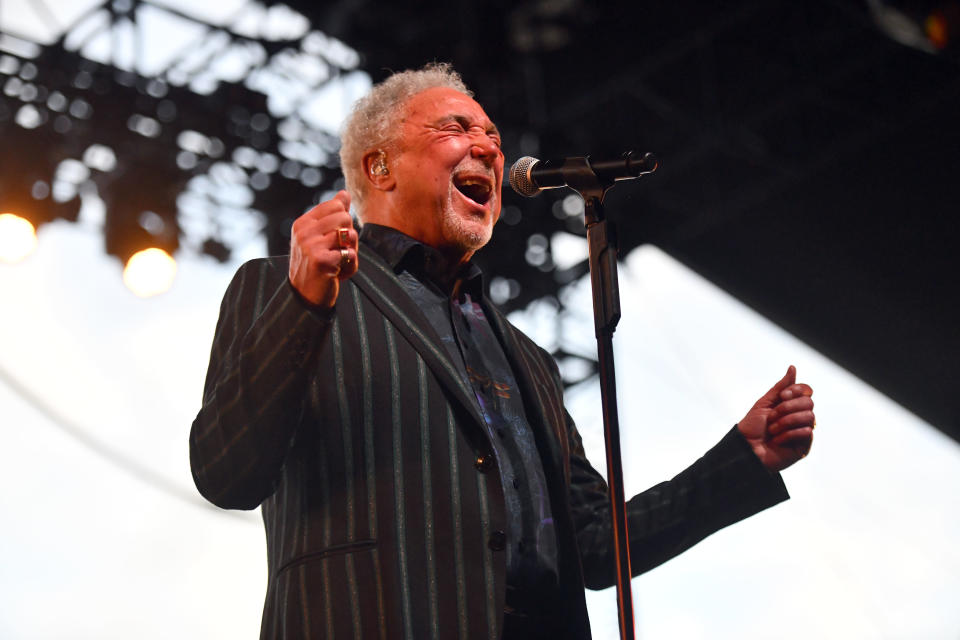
529,176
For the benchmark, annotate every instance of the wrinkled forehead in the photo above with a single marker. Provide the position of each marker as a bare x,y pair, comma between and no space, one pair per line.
440,104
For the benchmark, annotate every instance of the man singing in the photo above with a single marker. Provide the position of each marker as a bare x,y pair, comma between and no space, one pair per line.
417,472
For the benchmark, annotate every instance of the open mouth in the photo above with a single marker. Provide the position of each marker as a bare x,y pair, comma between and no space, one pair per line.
476,188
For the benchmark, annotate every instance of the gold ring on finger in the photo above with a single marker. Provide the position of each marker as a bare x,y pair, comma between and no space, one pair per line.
343,238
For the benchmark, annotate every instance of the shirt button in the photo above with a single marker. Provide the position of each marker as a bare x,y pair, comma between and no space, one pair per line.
497,541
483,462
298,353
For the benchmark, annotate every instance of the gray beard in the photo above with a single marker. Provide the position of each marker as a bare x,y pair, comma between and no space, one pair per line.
466,237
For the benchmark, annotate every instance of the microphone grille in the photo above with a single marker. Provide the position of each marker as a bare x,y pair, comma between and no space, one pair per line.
520,178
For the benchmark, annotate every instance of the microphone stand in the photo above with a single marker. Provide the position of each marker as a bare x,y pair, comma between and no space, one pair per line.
601,237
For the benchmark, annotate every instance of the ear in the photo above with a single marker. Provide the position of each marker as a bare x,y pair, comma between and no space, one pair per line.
376,170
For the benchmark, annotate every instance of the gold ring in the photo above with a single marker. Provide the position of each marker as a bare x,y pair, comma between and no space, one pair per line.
343,237
344,257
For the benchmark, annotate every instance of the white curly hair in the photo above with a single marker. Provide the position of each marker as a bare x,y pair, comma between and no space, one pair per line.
375,119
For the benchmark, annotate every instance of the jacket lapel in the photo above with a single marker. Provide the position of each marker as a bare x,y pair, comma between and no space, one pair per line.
380,284
545,415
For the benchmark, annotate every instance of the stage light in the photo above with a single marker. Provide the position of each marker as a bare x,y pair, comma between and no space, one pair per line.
35,188
928,25
942,26
18,238
936,29
26,203
149,272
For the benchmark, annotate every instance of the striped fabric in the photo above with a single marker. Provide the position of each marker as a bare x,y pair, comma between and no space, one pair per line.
355,434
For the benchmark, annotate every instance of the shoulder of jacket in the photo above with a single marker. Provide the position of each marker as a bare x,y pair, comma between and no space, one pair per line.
263,269
273,263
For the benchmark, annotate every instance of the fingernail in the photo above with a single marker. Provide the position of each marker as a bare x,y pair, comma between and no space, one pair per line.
786,394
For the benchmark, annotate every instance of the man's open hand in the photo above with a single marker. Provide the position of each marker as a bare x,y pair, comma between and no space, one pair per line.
319,259
780,425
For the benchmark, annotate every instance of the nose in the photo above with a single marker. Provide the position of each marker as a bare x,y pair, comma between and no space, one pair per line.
485,148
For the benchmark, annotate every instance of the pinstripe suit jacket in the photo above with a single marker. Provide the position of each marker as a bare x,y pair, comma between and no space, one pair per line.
359,440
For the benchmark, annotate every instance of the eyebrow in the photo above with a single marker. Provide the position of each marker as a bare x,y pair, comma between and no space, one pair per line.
465,122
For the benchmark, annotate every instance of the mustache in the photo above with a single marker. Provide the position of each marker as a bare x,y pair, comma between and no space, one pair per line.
476,168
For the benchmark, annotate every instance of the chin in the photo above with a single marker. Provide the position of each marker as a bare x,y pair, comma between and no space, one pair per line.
469,237
467,231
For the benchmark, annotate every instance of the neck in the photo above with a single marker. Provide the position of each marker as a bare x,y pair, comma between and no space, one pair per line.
454,256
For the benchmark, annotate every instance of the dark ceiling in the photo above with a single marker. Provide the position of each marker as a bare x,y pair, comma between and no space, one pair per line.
810,165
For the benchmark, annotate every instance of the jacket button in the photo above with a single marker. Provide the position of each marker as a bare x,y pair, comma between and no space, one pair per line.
483,462
497,541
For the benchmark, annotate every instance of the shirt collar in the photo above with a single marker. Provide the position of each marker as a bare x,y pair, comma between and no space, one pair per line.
402,252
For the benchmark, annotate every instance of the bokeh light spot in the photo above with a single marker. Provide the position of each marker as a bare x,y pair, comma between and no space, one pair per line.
18,238
149,272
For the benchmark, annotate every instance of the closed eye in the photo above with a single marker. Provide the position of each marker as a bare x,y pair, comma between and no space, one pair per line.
460,124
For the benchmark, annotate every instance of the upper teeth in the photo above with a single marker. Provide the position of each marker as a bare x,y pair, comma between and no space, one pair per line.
470,182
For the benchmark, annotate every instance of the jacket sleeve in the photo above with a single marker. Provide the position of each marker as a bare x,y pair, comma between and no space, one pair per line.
266,340
728,484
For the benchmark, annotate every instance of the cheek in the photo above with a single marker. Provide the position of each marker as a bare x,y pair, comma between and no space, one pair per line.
429,180
444,189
